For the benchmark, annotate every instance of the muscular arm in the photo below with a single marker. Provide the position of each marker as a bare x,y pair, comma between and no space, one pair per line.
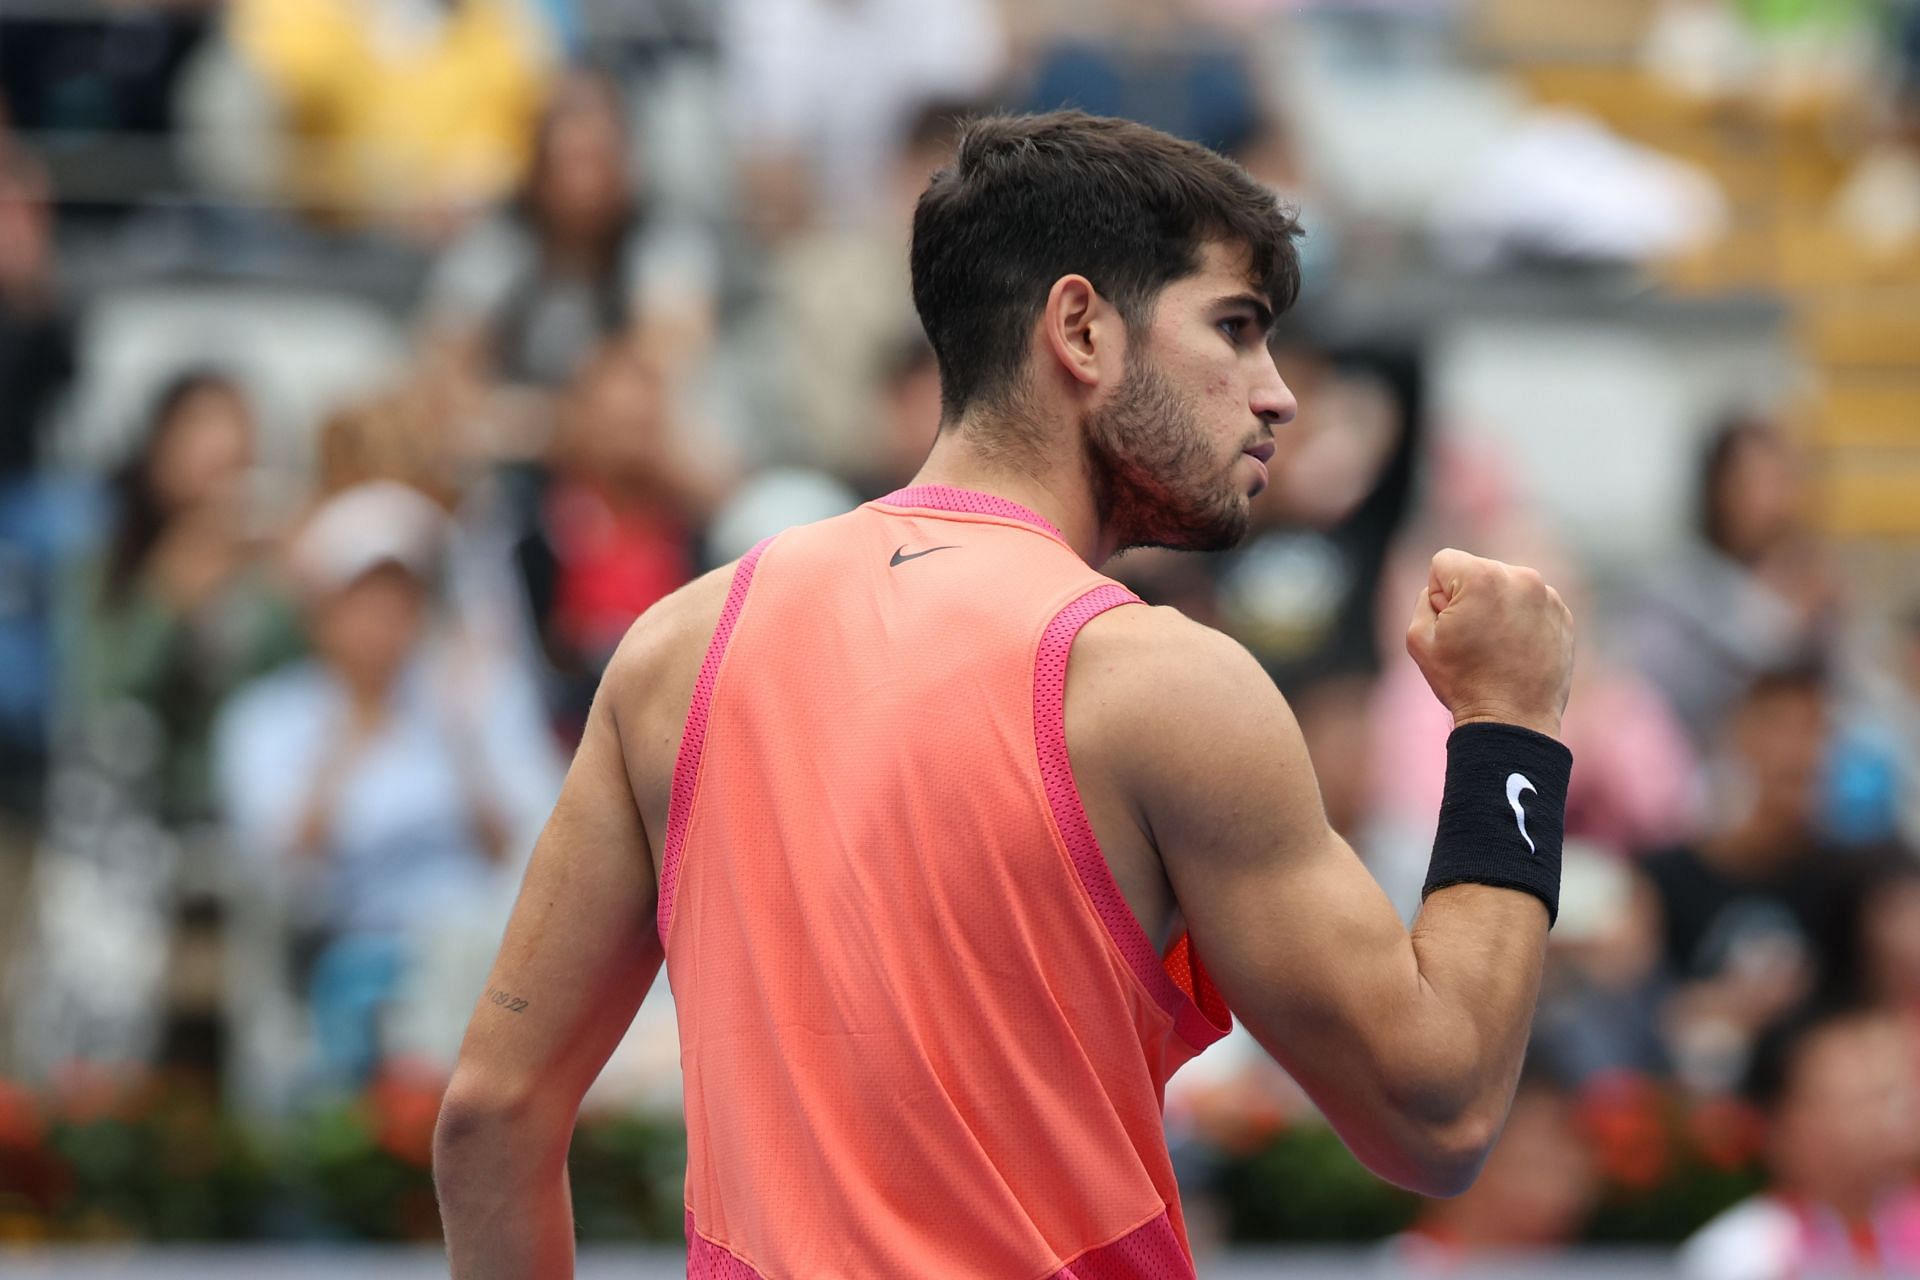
580,952
1410,1042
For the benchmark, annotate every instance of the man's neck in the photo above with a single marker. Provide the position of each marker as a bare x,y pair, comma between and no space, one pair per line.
1048,484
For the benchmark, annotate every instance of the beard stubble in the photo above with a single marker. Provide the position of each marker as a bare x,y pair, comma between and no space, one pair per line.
1155,483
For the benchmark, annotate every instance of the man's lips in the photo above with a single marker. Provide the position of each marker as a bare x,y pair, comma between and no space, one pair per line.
1261,454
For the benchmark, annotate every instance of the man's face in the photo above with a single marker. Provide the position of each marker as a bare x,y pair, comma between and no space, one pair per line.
1178,450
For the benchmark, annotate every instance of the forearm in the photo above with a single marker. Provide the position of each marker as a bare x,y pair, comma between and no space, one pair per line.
1479,942
1415,1068
505,1205
1478,952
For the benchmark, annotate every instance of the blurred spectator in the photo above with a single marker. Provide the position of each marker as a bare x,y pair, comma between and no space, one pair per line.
1302,591
528,294
36,329
405,112
769,501
1535,1193
1754,593
615,515
401,435
1336,724
418,435
388,787
823,92
1874,771
182,609
1636,784
1878,936
909,415
1273,155
36,367
1838,1089
1750,908
836,310
1160,62
1869,776
1604,987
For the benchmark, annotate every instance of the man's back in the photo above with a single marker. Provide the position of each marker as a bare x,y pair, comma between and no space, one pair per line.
841,732
921,1030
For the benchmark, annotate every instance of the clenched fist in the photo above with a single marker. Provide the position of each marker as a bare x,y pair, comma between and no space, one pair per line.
1494,641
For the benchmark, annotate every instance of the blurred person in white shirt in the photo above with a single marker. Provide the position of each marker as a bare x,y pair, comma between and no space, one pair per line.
386,789
1843,1105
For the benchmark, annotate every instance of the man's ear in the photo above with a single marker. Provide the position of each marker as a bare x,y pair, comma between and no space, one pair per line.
1083,332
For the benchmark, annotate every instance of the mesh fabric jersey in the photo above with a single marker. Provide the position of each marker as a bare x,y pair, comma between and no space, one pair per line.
921,1032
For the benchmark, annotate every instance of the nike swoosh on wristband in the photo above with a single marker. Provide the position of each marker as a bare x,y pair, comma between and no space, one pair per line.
899,559
1516,783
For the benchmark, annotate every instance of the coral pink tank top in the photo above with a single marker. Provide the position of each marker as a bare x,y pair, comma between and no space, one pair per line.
921,1032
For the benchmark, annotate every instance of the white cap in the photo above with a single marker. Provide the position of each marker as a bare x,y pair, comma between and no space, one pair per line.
359,529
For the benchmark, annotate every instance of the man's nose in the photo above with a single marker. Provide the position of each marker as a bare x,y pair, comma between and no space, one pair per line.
1273,403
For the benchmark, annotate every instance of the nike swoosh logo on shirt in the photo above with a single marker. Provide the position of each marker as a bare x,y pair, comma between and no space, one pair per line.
1516,783
900,559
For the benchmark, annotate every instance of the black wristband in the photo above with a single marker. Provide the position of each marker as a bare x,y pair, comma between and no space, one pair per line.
1504,813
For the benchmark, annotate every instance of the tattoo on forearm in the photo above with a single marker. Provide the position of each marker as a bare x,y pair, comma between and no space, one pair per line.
512,1004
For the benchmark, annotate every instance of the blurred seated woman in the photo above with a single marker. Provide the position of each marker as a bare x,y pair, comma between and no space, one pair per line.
183,607
577,258
385,790
1753,593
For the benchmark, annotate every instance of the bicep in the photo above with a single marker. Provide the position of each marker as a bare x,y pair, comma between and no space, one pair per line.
1301,940
580,950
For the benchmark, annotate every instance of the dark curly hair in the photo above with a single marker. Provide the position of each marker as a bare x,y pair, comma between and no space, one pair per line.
1029,199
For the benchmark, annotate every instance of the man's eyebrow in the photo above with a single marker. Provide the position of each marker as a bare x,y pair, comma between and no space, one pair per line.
1261,311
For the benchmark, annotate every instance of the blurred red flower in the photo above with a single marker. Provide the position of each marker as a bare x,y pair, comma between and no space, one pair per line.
404,1102
1624,1116
1727,1133
22,1127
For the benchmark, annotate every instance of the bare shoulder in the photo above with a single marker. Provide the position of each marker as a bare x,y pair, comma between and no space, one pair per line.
1181,717
648,686
1152,664
669,635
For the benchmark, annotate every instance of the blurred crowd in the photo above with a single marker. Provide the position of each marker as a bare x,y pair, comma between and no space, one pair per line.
366,366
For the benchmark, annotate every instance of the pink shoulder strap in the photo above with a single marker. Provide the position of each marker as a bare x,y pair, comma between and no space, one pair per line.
1178,984
693,740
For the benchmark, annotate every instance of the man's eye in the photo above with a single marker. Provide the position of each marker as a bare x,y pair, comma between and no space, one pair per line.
1234,327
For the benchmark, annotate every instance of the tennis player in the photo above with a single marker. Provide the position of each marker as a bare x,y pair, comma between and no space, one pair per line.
954,851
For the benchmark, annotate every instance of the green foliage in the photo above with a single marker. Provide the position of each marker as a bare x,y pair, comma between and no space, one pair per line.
627,1174
158,1160
161,1163
1673,1210
337,1180
1305,1185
